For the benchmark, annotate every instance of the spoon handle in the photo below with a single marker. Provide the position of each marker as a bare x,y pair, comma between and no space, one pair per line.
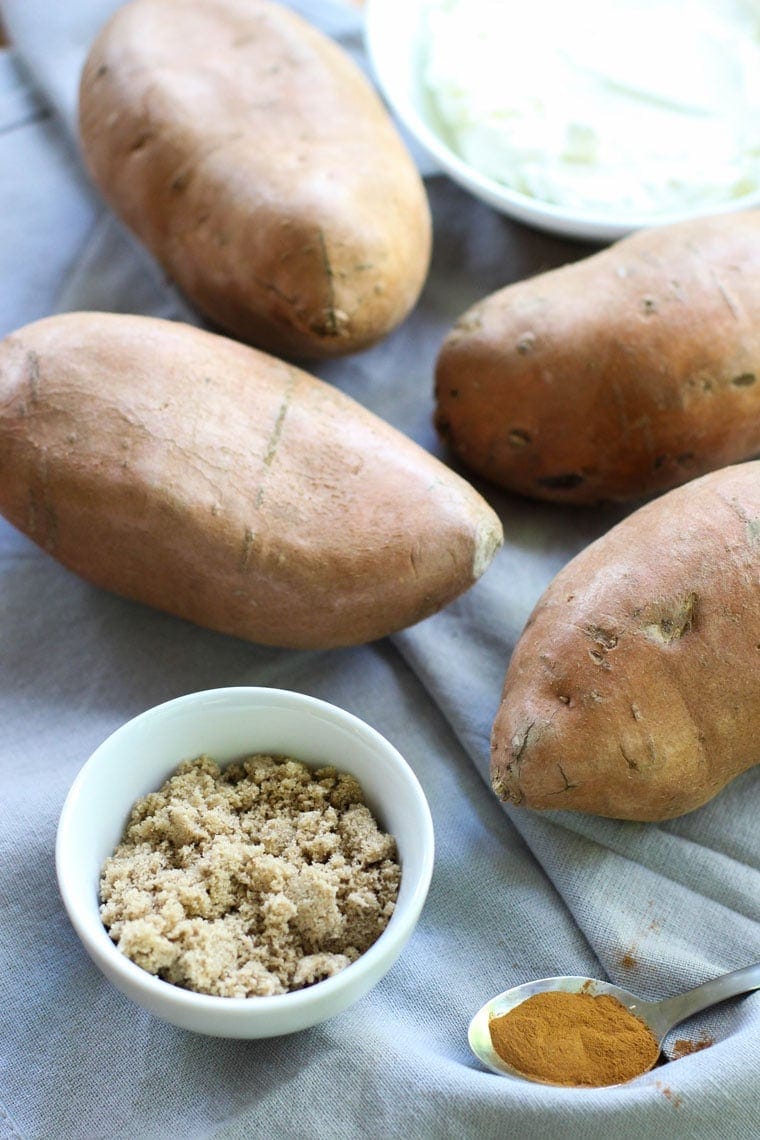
676,1009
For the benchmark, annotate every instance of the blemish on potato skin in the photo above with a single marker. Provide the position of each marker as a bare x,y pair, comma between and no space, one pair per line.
270,286
677,290
567,785
247,548
730,303
744,380
685,459
519,439
519,744
333,322
179,184
565,482
526,343
697,383
604,637
630,762
140,142
250,38
33,374
672,622
505,793
468,323
275,435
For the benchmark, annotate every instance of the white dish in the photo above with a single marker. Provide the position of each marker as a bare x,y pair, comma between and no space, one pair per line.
394,36
229,723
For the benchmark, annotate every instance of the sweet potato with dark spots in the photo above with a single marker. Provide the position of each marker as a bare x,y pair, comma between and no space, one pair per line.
634,690
617,377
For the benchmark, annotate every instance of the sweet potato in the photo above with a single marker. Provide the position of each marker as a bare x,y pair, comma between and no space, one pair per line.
634,690
617,377
205,478
256,162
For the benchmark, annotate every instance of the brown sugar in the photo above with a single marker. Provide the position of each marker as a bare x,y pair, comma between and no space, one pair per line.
576,1039
259,878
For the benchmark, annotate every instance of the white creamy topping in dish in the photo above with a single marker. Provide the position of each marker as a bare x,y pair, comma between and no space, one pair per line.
637,107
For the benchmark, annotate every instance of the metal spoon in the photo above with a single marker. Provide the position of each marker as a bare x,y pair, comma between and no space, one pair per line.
659,1016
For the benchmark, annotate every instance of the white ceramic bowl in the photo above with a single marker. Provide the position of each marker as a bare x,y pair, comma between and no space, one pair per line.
394,38
226,724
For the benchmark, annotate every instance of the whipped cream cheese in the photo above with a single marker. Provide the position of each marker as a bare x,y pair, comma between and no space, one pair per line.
632,107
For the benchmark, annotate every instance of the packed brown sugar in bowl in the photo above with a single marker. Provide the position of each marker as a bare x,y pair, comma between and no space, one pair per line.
255,879
574,1039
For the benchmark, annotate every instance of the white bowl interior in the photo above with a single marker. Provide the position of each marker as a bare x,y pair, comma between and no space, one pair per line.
394,40
228,724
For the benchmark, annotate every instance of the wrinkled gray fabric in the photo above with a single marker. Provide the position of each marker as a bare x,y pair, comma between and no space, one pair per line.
515,896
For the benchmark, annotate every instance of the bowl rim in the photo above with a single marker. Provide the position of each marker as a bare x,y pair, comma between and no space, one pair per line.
573,222
106,954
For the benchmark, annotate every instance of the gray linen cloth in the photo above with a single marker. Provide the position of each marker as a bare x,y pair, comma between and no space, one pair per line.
515,896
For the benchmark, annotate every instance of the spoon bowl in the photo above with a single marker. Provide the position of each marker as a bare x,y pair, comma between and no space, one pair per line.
659,1016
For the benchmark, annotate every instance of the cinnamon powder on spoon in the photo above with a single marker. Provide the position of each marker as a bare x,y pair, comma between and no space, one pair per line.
576,1039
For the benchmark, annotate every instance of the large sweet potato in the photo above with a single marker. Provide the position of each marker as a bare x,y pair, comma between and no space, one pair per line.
634,690
617,377
256,162
205,478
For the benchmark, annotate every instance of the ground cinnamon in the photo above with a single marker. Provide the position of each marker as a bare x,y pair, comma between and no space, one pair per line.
683,1046
576,1039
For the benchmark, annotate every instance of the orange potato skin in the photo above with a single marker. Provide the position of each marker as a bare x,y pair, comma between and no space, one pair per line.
617,377
252,157
207,479
633,691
